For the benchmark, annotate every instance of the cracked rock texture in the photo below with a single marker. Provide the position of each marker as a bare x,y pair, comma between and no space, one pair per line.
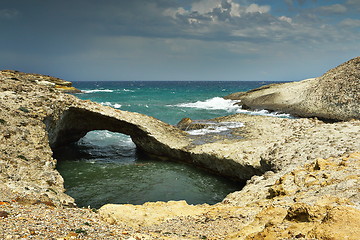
317,201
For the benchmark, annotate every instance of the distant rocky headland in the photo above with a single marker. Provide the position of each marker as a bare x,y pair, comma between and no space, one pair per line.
302,174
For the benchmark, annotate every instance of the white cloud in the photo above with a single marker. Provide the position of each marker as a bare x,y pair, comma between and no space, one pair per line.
9,13
238,21
215,11
254,8
333,9
285,19
235,9
352,23
171,12
205,6
354,3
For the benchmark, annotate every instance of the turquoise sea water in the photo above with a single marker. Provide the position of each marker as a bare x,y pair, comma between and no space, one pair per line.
105,167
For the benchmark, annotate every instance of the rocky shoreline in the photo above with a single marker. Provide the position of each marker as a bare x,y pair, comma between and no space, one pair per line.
303,174
333,96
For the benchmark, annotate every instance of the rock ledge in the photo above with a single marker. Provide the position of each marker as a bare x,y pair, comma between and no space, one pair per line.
333,96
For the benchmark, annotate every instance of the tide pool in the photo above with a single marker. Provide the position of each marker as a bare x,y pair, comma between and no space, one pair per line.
105,167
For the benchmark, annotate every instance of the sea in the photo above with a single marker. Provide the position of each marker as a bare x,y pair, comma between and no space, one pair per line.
105,167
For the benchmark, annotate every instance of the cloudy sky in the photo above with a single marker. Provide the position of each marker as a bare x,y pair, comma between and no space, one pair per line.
257,40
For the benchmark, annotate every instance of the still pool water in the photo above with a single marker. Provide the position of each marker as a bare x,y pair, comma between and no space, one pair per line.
104,167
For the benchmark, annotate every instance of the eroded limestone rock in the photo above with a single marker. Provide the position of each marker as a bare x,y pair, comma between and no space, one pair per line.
334,96
316,201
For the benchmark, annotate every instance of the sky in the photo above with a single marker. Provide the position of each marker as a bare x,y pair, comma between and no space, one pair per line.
166,40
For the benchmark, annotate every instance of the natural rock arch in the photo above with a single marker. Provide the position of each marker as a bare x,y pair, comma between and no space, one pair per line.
149,134
72,121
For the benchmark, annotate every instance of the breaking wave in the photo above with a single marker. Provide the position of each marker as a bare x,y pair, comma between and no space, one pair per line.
218,103
264,113
216,128
114,105
128,90
98,90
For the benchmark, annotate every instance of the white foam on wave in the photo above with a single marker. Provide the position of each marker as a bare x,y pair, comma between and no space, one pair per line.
264,113
114,105
128,90
216,103
97,90
103,138
216,128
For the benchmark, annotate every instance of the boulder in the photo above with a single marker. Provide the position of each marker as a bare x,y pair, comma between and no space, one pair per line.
187,124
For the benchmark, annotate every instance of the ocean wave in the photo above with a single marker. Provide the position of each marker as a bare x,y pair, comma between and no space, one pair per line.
104,138
114,105
264,113
216,128
98,90
128,90
216,103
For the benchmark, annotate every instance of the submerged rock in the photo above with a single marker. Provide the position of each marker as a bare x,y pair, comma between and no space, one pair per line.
333,96
187,124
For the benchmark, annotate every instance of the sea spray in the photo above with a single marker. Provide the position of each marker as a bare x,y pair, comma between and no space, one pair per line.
216,103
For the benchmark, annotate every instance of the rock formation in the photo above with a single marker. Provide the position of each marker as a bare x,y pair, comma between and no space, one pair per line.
319,200
45,80
37,117
333,96
302,173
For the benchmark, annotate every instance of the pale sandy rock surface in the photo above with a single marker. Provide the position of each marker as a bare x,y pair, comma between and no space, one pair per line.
267,143
335,95
317,201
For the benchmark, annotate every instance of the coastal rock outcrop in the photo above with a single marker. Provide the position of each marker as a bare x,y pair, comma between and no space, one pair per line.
302,174
36,118
40,79
319,200
333,96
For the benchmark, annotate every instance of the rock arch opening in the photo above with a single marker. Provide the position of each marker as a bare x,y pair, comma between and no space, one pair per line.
75,123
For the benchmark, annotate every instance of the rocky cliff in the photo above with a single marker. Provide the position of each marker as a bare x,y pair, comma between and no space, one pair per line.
333,96
302,173
45,80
